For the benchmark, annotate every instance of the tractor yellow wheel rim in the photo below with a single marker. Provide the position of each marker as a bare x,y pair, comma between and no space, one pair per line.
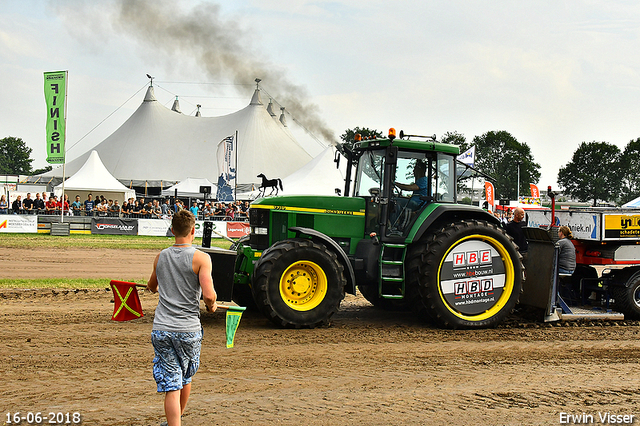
303,285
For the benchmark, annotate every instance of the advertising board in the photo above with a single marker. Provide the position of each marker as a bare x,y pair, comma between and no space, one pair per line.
14,223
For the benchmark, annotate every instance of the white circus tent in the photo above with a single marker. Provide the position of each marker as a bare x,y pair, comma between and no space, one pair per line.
158,146
94,178
319,177
635,203
189,187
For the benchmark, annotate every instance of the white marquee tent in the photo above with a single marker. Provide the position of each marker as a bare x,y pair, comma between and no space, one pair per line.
94,178
158,146
319,177
190,187
635,203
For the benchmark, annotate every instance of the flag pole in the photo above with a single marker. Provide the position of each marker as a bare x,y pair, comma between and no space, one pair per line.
64,148
235,181
233,308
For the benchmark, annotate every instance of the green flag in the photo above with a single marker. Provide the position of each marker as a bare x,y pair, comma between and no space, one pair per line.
55,95
234,313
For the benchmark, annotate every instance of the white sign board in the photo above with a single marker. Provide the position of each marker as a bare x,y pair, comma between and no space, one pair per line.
13,223
583,225
162,228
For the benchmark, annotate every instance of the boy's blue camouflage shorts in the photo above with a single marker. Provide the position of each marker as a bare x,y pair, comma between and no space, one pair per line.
177,358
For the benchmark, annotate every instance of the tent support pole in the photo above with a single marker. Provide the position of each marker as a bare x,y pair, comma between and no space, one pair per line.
62,201
235,191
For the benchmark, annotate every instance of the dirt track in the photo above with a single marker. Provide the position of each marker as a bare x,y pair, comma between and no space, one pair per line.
62,353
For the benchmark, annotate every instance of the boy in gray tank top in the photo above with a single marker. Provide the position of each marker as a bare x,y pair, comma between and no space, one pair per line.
181,274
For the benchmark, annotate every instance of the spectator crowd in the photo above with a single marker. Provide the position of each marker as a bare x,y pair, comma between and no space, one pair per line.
44,204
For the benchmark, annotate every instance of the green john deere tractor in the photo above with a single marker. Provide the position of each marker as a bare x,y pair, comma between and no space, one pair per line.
397,235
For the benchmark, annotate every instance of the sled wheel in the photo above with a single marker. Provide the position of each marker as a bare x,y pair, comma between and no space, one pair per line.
628,297
298,283
466,275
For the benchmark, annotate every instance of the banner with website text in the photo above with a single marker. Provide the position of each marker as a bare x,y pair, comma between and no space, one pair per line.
55,95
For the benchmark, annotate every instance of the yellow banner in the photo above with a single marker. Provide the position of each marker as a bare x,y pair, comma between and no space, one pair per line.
621,225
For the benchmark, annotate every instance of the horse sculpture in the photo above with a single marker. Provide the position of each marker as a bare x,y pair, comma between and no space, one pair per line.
269,183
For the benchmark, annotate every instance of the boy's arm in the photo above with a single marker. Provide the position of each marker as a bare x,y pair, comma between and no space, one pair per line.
152,284
202,267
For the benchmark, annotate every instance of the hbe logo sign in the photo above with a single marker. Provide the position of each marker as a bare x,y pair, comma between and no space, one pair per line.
473,286
471,258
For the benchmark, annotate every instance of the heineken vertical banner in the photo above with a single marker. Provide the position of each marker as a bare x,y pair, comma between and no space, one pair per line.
55,95
226,169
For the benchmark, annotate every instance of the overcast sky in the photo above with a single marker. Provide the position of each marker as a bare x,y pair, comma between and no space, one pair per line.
552,73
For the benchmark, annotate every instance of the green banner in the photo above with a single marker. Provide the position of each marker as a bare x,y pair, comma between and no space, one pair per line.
234,313
55,95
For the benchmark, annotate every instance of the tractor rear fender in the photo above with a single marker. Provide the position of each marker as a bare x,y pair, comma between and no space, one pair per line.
448,213
333,246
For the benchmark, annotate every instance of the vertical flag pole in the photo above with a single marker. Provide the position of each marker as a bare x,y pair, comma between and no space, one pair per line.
64,147
235,181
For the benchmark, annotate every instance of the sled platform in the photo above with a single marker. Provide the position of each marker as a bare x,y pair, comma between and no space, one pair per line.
574,313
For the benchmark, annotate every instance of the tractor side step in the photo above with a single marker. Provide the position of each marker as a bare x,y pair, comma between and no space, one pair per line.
392,276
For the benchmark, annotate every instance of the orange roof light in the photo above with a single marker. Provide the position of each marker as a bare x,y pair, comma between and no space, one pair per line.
392,133
357,137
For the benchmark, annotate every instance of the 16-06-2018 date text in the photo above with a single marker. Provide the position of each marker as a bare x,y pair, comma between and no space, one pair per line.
42,418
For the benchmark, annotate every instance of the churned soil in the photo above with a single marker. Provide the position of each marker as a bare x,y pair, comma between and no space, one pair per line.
61,352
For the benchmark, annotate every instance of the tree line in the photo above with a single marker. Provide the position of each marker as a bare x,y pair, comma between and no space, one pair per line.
15,158
597,171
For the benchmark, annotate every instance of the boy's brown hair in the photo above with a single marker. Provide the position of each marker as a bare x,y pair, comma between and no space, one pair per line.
182,223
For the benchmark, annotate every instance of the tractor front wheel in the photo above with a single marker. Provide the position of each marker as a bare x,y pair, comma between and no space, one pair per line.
298,283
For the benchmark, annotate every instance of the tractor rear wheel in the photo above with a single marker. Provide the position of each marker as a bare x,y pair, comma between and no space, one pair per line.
466,275
298,283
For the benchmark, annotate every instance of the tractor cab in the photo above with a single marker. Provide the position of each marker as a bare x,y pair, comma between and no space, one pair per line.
399,178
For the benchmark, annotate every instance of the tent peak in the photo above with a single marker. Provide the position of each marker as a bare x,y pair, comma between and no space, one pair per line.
282,118
176,106
270,108
255,99
150,96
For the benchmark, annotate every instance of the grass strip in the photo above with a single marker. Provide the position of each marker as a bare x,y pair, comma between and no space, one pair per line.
133,242
64,283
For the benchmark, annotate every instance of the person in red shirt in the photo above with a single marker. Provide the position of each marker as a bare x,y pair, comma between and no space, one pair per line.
59,205
51,205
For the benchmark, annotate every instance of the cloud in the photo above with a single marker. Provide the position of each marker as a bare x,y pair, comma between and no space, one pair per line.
201,38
